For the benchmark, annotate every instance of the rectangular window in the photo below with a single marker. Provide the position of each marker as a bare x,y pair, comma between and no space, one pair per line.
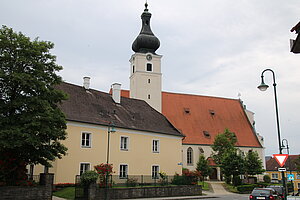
275,176
155,171
84,167
124,143
298,186
123,171
149,67
298,176
155,146
85,140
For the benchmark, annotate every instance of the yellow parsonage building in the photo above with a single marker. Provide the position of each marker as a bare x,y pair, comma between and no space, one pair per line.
141,141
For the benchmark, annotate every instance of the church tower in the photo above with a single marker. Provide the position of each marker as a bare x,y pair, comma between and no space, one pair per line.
145,75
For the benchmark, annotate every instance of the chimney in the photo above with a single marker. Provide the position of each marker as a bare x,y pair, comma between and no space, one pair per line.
116,92
86,82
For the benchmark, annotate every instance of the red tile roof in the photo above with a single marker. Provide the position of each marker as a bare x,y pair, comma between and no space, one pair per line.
201,118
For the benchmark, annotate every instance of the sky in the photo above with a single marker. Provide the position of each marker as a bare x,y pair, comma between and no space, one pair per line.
214,48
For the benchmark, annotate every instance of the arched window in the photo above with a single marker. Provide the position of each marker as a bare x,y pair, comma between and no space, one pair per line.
189,156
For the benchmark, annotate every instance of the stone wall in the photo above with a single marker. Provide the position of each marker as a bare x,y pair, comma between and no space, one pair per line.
42,191
144,192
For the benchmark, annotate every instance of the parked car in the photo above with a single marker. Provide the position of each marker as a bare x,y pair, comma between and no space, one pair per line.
279,189
264,193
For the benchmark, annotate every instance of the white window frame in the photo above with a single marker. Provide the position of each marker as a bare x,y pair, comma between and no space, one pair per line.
155,147
90,139
275,176
84,170
121,176
189,158
155,174
147,67
126,148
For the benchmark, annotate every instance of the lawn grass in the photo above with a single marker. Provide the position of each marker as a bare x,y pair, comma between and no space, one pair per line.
230,188
205,185
67,193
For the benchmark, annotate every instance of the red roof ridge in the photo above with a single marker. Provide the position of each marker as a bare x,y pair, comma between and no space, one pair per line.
226,98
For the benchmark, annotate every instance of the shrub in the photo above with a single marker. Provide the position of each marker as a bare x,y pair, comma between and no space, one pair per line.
88,177
246,188
131,182
237,180
267,179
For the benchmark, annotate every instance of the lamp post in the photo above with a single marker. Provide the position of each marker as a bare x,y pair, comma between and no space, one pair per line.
286,146
110,129
264,87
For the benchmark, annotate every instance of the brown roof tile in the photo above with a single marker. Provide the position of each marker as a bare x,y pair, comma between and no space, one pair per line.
95,107
272,165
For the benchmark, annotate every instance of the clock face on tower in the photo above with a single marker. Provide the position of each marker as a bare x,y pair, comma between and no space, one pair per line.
149,57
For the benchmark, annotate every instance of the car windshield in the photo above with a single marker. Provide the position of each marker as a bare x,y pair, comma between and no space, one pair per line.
260,192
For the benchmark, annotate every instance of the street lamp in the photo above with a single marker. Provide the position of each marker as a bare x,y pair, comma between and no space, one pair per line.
264,87
110,129
286,146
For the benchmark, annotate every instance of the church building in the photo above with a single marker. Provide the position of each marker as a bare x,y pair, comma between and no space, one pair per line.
199,118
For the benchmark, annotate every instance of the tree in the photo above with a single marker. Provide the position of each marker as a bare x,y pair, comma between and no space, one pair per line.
297,164
223,143
203,167
253,164
31,122
232,166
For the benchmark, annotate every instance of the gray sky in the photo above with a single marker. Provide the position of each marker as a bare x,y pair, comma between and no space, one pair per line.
216,48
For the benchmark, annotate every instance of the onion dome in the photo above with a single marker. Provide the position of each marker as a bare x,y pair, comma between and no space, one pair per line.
146,41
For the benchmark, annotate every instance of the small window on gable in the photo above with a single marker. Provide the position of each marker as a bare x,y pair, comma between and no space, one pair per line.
149,80
212,112
133,69
148,96
149,67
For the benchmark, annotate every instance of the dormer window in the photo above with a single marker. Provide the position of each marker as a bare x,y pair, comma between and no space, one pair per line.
187,111
149,67
206,134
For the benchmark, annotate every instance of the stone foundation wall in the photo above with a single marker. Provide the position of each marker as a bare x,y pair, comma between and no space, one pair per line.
42,191
144,192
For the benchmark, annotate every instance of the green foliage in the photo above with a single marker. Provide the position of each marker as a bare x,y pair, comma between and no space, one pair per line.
203,167
66,193
245,188
188,177
222,143
232,165
267,179
88,177
253,164
31,122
